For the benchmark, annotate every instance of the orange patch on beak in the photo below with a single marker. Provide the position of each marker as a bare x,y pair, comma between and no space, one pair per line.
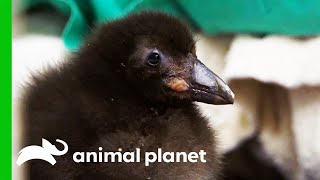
178,84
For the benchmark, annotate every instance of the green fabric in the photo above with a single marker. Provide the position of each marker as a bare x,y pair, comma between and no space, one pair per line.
289,17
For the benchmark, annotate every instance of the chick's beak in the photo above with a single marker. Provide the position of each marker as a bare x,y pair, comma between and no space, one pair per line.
209,88
204,86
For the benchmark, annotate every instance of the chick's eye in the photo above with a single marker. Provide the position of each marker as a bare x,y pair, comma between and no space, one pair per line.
154,59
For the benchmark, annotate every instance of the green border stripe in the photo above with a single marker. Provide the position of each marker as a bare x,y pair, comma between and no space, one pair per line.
5,89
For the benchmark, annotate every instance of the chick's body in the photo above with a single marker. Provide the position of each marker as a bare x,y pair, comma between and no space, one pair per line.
106,96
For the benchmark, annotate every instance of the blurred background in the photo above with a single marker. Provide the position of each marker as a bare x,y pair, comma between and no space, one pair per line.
267,50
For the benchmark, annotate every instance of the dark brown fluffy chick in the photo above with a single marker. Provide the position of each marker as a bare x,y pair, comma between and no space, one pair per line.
132,85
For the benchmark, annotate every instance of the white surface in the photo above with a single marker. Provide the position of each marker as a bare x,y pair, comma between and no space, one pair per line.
31,54
279,59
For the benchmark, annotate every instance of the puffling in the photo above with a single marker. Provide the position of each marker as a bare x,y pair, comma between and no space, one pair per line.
131,85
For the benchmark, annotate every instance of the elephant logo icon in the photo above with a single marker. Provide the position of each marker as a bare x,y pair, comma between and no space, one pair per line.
45,152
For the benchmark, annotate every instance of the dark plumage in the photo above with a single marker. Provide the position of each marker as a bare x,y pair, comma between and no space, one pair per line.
131,85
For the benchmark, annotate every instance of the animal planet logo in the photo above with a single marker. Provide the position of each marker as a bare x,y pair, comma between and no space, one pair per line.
45,152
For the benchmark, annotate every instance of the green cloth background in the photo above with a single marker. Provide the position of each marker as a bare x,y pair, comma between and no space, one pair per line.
289,17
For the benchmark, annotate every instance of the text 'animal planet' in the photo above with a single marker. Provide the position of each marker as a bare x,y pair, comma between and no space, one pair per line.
47,150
